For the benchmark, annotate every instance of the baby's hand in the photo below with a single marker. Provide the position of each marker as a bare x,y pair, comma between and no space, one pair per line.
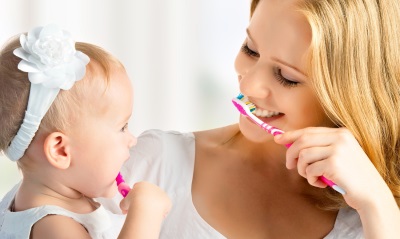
146,198
146,205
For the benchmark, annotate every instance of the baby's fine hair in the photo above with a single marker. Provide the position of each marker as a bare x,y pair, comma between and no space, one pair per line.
15,87
353,64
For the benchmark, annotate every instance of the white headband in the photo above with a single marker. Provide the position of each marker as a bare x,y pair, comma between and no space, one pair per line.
48,55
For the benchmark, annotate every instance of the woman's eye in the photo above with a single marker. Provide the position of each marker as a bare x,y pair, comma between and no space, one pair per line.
285,82
246,50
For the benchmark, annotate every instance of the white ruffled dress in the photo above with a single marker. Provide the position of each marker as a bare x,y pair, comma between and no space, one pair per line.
101,224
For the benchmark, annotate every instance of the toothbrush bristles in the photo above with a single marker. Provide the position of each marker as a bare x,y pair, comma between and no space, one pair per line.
250,105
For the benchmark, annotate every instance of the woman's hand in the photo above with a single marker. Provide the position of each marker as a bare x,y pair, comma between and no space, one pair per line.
335,154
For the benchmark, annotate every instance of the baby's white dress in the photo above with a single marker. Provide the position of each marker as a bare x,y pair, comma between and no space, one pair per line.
167,159
101,224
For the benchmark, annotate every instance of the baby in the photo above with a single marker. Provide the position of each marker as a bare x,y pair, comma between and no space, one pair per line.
64,119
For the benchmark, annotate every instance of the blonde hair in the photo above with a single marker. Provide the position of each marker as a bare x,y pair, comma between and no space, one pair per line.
353,61
15,86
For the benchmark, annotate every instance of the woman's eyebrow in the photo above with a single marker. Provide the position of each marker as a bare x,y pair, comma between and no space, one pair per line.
249,35
288,65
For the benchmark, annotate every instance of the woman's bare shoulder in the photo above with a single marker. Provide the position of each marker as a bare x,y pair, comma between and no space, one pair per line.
216,136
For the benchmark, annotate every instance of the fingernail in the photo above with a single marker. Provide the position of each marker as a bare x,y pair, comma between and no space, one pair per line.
278,136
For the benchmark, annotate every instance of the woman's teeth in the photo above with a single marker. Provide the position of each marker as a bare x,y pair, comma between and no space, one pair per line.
261,112
265,113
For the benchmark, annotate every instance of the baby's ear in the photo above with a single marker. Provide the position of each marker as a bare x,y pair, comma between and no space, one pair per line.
57,150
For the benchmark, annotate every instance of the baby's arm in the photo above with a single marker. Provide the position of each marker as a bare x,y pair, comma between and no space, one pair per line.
57,226
146,206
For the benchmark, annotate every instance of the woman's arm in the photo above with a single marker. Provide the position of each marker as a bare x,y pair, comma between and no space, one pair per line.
381,217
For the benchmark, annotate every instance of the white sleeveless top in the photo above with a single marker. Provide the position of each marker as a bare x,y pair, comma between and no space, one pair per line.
101,224
167,159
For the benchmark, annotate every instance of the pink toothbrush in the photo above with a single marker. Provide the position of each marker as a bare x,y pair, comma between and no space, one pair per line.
245,108
123,188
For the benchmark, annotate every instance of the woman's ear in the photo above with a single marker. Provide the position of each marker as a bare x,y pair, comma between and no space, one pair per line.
57,150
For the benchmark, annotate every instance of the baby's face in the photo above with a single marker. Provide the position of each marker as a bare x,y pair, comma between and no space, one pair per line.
101,141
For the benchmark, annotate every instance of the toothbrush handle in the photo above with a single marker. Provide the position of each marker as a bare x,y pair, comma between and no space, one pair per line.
124,189
274,131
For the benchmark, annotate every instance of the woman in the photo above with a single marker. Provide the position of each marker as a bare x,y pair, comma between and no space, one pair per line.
327,74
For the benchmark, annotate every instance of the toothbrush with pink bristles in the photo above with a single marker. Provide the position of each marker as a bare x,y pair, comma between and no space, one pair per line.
245,107
123,188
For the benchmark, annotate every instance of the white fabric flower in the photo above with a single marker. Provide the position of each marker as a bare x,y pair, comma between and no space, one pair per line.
48,55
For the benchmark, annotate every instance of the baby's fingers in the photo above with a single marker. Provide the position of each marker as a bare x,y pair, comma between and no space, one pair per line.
124,205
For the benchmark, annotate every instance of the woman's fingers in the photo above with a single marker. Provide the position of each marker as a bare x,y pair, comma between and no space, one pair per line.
335,154
317,148
307,157
304,144
315,171
292,136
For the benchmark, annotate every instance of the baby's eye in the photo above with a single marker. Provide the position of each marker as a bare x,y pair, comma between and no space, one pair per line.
124,128
246,50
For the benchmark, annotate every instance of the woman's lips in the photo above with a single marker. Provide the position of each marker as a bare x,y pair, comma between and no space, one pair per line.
269,119
264,113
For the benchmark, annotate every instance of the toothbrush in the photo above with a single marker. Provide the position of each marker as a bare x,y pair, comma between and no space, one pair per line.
123,188
245,107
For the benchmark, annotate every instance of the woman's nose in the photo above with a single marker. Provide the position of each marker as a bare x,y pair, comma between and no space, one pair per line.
254,83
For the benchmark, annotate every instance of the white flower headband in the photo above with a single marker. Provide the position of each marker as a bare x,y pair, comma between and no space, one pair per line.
48,55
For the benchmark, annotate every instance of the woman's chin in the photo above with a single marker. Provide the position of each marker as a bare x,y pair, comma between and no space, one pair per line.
253,132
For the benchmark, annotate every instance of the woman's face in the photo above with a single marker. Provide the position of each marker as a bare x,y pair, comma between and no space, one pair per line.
271,70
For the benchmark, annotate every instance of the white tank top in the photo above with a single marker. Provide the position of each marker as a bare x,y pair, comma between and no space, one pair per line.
167,159
101,224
